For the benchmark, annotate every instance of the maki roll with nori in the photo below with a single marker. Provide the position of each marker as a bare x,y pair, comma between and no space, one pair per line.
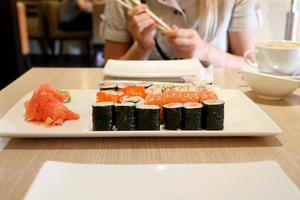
192,116
134,99
124,85
147,117
108,86
144,84
103,116
173,116
213,115
125,116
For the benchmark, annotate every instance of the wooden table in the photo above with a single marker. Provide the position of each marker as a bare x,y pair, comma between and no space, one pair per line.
22,158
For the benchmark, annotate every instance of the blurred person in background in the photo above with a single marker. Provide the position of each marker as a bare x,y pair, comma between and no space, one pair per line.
76,15
216,32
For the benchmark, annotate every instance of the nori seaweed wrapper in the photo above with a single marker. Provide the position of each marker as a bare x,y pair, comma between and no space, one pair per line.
125,117
213,115
173,117
103,117
192,117
148,117
108,86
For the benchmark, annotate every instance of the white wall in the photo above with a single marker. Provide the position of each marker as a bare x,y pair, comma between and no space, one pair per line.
274,17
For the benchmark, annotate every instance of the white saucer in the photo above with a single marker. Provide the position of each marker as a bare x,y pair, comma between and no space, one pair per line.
269,86
295,77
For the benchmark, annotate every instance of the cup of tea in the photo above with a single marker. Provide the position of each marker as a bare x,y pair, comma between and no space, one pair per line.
276,57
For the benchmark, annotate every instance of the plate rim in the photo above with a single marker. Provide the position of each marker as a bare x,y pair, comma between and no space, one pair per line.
131,134
151,75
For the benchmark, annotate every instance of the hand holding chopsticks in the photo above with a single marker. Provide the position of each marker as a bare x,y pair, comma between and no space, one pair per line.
162,25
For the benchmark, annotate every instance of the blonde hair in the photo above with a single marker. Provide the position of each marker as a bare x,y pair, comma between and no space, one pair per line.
211,16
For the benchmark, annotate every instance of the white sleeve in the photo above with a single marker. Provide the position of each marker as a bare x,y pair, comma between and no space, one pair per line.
245,16
115,23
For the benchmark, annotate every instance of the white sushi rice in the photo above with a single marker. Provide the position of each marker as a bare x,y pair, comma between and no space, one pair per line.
173,105
128,104
102,104
124,85
113,92
107,86
144,84
192,105
134,99
147,107
213,102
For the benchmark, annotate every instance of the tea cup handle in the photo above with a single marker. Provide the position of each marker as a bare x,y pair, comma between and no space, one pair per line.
247,59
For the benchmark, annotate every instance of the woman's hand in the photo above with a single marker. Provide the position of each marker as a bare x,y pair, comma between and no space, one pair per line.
142,27
85,5
187,43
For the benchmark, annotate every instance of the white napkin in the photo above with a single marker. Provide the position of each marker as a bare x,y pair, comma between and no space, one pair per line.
203,74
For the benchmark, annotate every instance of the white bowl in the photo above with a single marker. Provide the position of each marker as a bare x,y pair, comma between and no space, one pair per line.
270,87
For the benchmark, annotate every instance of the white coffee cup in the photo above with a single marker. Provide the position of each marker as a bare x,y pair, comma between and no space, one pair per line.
279,57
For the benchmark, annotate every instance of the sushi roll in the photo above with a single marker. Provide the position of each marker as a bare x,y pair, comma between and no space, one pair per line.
108,86
124,85
109,95
134,99
103,116
147,117
213,112
125,116
183,88
144,84
192,116
173,116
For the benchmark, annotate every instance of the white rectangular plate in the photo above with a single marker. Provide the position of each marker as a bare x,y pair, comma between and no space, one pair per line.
247,181
152,69
242,118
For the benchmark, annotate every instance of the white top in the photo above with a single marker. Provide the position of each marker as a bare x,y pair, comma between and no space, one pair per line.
241,15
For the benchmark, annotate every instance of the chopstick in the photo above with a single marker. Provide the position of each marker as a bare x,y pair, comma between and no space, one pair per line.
161,22
162,25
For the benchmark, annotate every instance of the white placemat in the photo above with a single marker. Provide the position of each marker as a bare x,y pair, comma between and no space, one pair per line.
247,181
